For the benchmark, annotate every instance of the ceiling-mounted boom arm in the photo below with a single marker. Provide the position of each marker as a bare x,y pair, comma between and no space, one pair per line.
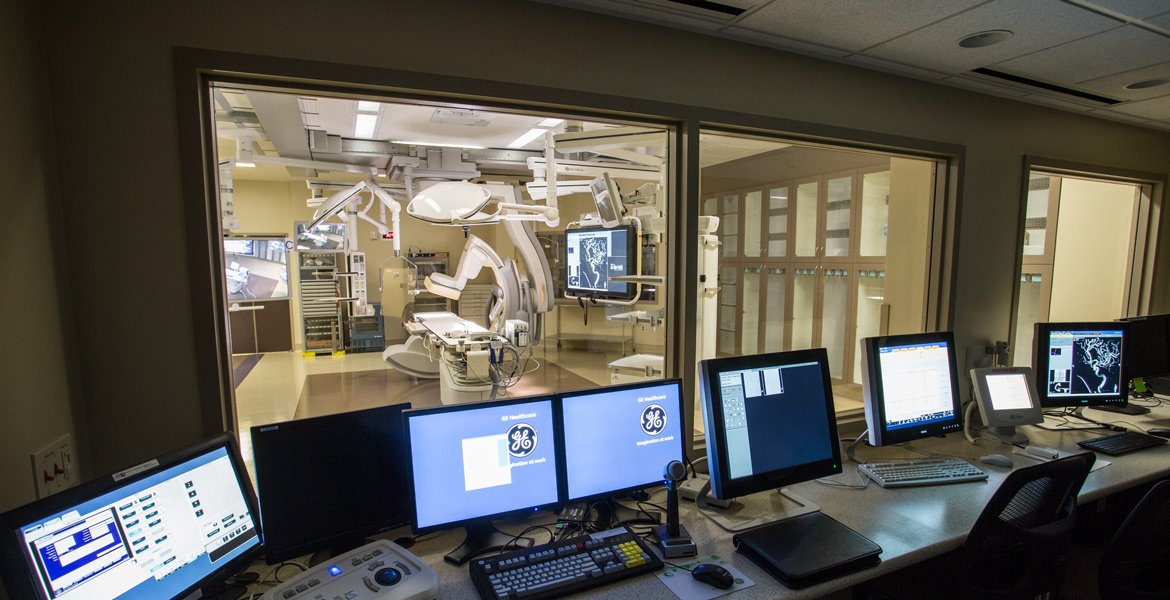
349,196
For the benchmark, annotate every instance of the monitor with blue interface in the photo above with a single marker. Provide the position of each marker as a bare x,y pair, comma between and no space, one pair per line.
472,463
595,255
174,527
911,387
1080,364
617,439
769,420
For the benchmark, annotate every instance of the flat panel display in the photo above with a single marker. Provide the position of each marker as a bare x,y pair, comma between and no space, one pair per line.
594,255
1080,364
256,268
911,388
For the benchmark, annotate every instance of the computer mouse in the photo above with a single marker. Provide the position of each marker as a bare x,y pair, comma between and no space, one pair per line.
1159,431
997,460
713,575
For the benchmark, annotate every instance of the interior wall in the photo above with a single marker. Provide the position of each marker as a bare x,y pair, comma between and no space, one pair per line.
94,83
908,243
38,356
1093,245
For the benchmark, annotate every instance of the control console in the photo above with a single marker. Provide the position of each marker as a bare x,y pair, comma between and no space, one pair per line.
380,570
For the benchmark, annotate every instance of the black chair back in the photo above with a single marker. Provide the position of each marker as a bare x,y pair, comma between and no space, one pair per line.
1018,547
1135,564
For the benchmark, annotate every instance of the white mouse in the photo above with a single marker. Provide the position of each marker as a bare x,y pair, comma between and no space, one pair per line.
997,460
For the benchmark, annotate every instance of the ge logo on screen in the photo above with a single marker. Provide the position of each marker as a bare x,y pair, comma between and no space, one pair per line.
653,419
521,440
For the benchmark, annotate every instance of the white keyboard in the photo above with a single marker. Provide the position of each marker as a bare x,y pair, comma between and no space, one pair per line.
381,570
922,472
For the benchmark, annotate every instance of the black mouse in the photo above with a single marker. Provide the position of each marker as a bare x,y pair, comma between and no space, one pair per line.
1159,431
713,575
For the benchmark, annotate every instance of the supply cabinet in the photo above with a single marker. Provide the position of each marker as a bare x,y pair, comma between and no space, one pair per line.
321,310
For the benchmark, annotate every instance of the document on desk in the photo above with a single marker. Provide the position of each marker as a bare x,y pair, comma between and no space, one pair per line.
1098,464
686,587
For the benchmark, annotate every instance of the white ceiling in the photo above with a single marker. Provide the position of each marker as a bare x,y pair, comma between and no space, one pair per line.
1092,48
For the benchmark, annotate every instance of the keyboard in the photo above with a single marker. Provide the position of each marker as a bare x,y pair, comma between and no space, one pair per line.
1121,443
922,472
563,567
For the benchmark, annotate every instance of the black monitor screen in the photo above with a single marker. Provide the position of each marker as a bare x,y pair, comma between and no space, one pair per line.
594,255
161,530
487,459
309,471
1147,346
1080,364
911,387
769,421
619,438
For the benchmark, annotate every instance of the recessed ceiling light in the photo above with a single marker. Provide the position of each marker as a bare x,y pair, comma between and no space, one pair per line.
1147,84
985,38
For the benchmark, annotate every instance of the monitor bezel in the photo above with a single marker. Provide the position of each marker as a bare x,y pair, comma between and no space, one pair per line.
871,381
14,566
1011,417
479,519
724,487
274,555
1040,348
563,446
632,251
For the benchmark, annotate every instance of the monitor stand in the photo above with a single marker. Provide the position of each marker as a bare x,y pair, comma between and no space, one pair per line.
227,591
484,537
1008,434
1127,409
794,506
612,514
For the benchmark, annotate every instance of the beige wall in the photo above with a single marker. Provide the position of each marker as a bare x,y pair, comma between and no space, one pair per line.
908,245
1092,251
37,356
109,100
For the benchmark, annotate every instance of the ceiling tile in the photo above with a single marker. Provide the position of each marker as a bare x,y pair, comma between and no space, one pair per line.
1115,51
1162,21
1114,85
775,41
850,24
1155,108
1059,103
979,85
893,67
1037,24
1138,9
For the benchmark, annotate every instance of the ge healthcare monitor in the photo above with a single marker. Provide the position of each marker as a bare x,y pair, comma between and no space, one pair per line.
472,463
310,471
617,439
174,527
1080,364
770,422
911,387
594,255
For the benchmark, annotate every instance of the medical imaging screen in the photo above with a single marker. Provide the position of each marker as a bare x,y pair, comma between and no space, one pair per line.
594,256
916,384
1084,363
619,439
774,418
469,463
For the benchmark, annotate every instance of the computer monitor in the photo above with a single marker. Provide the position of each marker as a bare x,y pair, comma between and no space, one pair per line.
617,439
911,387
608,200
310,471
1080,364
593,255
471,463
1007,398
770,422
1147,346
174,527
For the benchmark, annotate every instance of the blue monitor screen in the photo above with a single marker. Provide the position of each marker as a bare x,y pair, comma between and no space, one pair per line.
620,439
148,540
471,461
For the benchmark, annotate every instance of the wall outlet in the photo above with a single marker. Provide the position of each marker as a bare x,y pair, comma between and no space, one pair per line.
54,467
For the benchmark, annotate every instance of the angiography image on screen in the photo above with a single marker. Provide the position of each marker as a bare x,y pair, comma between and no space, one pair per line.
1085,363
594,271
594,256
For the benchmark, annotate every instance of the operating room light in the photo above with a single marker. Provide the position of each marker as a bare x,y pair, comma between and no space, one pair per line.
363,127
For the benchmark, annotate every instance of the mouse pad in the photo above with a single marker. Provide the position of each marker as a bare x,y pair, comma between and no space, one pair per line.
686,588
807,549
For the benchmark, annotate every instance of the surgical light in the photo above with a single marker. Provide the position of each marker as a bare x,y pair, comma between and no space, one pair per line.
363,127
244,152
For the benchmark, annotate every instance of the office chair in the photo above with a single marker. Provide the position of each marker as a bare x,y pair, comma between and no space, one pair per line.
1018,547
1135,563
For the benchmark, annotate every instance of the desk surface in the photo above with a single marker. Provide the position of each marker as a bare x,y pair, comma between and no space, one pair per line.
910,524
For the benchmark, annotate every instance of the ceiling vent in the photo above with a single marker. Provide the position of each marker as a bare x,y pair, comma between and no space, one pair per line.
726,10
469,118
1047,87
